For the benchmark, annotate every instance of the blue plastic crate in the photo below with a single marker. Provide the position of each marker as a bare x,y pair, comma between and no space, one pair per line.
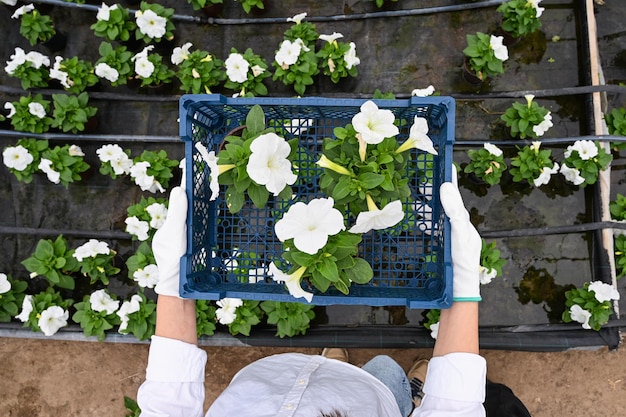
228,254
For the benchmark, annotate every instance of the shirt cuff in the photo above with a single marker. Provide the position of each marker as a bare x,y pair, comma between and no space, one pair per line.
457,376
172,360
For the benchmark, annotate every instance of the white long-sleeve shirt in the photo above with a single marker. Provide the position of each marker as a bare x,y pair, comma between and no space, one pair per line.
294,384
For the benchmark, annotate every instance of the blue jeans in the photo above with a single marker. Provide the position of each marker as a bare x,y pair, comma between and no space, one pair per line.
387,371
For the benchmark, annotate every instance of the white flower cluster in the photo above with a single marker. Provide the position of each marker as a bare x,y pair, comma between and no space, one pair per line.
151,24
50,320
18,157
140,228
500,51
602,292
20,57
127,308
100,300
104,12
57,73
586,149
115,155
143,66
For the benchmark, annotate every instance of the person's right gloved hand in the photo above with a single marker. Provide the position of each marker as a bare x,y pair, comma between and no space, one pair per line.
466,245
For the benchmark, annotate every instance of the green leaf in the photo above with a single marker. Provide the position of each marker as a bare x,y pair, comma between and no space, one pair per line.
361,272
258,194
255,121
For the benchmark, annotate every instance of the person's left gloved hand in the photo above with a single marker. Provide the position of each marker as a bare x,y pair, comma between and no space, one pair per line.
170,242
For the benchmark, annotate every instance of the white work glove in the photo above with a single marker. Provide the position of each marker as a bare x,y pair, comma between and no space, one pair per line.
466,245
170,242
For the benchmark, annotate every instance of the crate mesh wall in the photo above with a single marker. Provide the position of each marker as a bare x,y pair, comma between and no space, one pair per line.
228,254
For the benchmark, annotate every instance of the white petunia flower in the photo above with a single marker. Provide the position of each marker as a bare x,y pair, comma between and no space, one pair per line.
545,124
331,38
91,249
545,175
292,281
147,277
418,137
434,330
310,224
38,59
486,275
288,53
158,213
492,149
151,24
37,109
104,70
577,313
423,92
586,149
226,313
100,300
297,18
137,227
128,307
378,219
111,152
499,49
22,10
75,150
572,175
18,58
122,165
237,68
350,57
11,108
17,157
9,2
269,165
257,70
5,285
603,292
139,173
180,53
45,165
104,12
374,124
27,308
52,319
538,10
143,67
57,74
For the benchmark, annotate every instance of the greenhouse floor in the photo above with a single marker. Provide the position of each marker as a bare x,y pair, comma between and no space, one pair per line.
570,383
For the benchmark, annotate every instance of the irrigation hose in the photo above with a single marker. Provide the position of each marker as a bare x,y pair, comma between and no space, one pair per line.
335,18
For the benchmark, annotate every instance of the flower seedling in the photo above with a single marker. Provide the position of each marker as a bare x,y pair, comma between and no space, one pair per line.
533,165
520,17
113,23
583,162
95,260
34,26
486,54
70,113
338,59
590,305
198,71
114,64
96,313
486,163
30,114
54,261
31,68
530,120
290,319
154,22
11,297
246,73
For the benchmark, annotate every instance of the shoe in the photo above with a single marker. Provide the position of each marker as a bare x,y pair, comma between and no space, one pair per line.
416,377
339,354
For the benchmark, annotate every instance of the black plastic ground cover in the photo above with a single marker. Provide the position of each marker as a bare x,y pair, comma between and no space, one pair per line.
535,338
